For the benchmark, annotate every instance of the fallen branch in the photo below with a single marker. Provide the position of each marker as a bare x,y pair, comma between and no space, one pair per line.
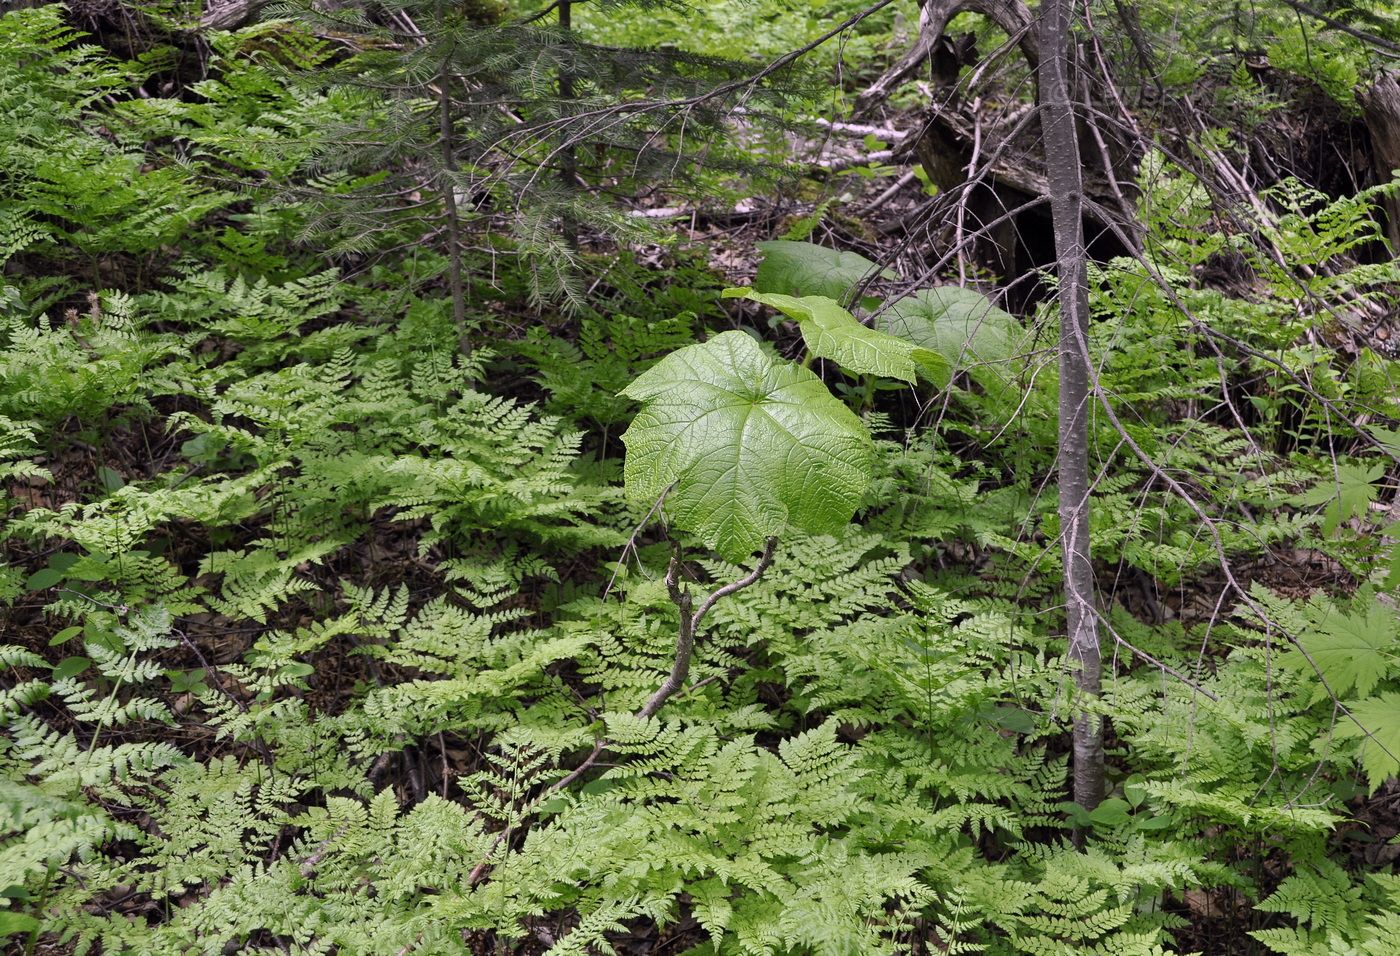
864,129
842,164
893,191
934,16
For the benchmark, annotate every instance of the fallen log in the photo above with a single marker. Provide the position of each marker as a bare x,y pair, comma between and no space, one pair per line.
229,16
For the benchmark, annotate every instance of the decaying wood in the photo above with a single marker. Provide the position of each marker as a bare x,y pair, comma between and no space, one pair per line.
229,16
934,16
944,148
988,164
1380,104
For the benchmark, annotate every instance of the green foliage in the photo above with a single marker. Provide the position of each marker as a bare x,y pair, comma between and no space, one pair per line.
614,338
764,30
1347,494
959,325
1335,916
1351,648
73,195
524,154
833,333
309,615
802,269
1299,53
740,446
1376,722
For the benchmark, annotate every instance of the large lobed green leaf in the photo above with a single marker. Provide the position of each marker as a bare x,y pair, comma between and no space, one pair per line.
1377,721
801,269
959,324
833,333
744,446
1353,649
1347,492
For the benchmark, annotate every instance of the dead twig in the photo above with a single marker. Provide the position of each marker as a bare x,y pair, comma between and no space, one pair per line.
691,617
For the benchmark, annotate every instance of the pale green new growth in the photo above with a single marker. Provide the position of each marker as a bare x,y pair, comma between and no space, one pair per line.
833,333
744,446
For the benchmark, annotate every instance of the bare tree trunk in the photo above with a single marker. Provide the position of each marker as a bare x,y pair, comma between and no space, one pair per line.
1065,175
1381,106
568,167
448,187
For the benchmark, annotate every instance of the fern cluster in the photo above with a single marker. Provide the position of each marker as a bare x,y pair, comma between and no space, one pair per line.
309,617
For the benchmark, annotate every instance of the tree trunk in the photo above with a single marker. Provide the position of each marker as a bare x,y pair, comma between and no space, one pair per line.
448,186
568,166
1381,106
1065,175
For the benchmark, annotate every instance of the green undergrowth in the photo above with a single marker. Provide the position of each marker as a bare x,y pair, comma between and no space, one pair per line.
306,612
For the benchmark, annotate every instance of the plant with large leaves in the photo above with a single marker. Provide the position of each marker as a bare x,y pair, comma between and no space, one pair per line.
743,446
737,446
804,269
830,332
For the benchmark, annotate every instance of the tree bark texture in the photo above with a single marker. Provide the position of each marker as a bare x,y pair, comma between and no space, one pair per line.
448,187
1065,176
934,15
454,223
568,160
1381,106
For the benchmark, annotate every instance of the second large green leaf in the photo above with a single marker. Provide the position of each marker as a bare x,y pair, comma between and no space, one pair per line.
802,268
961,325
833,333
744,446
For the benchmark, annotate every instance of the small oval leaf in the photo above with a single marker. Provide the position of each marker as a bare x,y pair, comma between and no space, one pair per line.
43,579
1113,812
71,667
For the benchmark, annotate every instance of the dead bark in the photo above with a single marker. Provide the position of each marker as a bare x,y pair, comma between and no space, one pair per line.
1380,104
1065,175
229,16
934,17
